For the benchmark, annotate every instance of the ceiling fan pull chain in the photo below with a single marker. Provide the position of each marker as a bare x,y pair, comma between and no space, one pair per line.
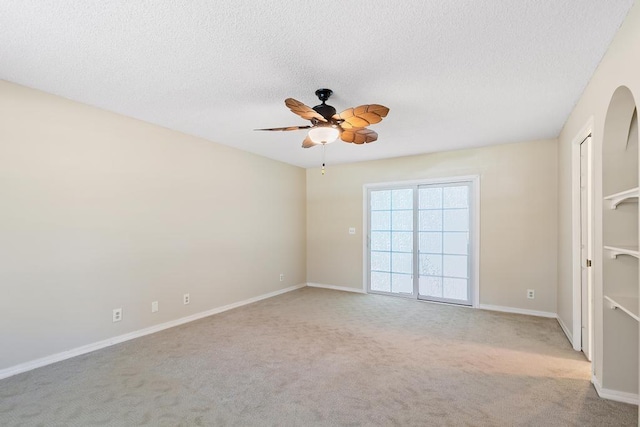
323,147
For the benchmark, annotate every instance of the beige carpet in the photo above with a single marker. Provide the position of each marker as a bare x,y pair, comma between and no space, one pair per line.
324,358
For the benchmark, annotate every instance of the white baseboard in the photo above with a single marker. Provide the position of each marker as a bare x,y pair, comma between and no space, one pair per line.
58,357
336,288
618,396
567,332
518,311
481,306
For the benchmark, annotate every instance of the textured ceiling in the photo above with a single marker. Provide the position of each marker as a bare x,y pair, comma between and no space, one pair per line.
454,74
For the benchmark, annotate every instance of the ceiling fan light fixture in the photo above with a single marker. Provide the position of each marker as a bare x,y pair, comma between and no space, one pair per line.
324,134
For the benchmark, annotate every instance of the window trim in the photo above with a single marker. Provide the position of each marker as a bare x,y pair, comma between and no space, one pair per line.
474,208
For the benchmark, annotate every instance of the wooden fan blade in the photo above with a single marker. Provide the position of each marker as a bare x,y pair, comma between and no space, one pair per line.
288,128
308,143
359,135
302,110
363,116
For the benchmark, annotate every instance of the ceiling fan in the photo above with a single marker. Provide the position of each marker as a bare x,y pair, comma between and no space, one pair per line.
326,125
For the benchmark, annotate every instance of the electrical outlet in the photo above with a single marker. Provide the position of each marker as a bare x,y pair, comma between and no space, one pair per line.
531,294
154,306
186,299
352,230
282,277
117,314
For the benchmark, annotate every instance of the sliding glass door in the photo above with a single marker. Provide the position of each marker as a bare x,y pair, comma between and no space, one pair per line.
419,241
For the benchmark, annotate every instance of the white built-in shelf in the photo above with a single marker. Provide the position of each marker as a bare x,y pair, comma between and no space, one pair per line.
616,199
627,304
623,250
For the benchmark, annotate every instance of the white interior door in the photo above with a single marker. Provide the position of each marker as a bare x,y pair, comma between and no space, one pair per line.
586,247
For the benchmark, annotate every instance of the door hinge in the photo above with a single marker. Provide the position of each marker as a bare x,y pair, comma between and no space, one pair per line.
588,263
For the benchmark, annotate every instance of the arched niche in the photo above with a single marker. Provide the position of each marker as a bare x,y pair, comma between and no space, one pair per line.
620,143
620,230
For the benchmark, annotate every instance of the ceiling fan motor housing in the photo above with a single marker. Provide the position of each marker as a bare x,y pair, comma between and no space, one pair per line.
326,111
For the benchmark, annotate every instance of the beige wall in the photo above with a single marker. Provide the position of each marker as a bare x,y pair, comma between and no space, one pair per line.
518,208
99,211
620,66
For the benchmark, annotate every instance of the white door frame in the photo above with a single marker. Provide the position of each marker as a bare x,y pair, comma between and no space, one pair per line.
576,260
586,241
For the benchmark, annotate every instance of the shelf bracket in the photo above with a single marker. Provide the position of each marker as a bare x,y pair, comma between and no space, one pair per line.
627,305
615,252
616,199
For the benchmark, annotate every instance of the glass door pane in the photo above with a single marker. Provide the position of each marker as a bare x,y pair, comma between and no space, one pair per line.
443,243
391,241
